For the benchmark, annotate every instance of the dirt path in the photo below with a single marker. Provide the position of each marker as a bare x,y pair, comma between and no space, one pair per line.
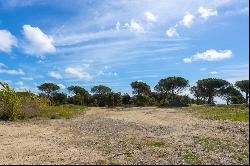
127,136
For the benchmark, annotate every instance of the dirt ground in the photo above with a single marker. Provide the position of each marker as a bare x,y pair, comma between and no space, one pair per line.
125,136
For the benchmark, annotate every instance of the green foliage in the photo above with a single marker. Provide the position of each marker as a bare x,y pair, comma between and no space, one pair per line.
211,87
59,98
126,99
140,88
198,102
239,99
141,101
76,100
230,112
175,101
81,96
228,92
100,95
171,85
48,88
113,99
100,89
244,87
158,144
77,90
62,111
10,103
199,94
141,93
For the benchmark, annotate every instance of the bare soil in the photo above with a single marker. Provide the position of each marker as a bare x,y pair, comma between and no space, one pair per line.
125,136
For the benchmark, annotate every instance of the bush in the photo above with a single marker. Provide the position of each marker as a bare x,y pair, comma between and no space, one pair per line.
76,100
10,103
59,98
33,105
176,101
237,99
140,101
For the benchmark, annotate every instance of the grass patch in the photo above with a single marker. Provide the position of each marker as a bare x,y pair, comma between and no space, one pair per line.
158,144
209,144
191,158
62,111
238,152
233,112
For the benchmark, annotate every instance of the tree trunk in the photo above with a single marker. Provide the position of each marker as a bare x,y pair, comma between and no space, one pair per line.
197,100
210,98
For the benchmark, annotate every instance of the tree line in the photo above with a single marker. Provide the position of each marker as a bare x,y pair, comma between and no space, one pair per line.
167,92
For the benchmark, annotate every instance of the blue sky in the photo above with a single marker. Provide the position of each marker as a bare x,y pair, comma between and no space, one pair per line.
110,42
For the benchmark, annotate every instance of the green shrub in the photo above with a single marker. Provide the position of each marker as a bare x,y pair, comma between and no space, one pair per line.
175,101
237,99
10,103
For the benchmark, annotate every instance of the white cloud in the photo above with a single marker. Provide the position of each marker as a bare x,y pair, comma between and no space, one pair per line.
12,72
7,41
213,72
27,78
61,86
2,65
210,55
150,17
205,13
55,75
134,27
187,60
117,26
79,73
38,42
188,20
213,55
172,32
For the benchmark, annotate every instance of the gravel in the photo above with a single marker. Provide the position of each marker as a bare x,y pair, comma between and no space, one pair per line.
125,136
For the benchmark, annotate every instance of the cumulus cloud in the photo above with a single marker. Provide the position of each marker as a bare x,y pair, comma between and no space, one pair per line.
187,60
213,72
150,16
205,13
117,26
27,78
55,75
213,55
12,72
38,43
2,65
7,41
210,55
172,32
79,73
134,27
188,20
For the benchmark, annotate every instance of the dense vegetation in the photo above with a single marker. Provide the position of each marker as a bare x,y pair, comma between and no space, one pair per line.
167,93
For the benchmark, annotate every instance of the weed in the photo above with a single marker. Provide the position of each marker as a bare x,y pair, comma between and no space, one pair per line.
158,144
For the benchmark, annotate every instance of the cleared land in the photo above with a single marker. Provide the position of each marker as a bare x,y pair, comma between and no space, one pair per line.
129,136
